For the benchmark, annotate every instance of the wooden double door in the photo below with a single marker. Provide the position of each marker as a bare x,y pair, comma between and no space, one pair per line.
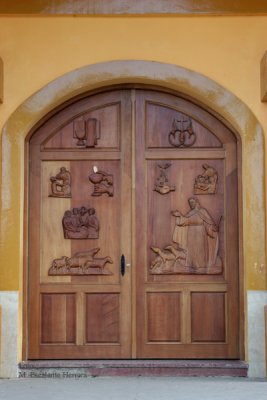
133,231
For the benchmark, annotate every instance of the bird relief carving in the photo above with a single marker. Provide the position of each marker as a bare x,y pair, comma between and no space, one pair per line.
196,244
81,263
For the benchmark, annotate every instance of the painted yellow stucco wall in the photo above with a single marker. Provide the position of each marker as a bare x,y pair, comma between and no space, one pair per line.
37,50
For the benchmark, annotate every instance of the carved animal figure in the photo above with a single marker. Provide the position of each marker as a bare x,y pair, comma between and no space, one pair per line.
75,262
88,253
59,263
179,254
98,263
165,256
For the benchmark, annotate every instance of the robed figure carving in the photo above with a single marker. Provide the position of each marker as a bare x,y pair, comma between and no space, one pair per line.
80,223
61,184
198,235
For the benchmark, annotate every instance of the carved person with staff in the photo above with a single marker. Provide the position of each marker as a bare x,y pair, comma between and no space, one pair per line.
197,234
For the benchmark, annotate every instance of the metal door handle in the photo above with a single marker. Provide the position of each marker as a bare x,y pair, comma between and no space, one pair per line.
122,264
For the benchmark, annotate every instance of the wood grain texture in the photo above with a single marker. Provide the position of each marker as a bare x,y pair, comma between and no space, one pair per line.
163,317
52,210
159,121
208,317
102,318
53,327
217,148
128,7
189,314
107,117
58,318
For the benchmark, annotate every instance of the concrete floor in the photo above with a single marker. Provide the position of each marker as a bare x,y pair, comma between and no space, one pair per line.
141,388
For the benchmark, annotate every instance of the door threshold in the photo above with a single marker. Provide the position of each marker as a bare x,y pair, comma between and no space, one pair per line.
93,368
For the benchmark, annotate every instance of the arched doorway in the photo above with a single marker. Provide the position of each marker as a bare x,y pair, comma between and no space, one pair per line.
133,230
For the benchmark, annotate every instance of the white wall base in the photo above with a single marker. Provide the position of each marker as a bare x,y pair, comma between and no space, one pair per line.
9,335
257,299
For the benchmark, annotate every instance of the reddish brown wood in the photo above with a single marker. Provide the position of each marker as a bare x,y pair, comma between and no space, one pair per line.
195,304
55,332
208,317
163,317
61,183
211,261
58,318
102,318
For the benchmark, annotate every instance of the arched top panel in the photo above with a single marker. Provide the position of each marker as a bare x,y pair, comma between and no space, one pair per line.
170,121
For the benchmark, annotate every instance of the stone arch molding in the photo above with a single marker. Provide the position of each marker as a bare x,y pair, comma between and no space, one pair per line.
193,84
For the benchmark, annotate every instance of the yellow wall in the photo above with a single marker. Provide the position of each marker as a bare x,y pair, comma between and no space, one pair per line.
36,50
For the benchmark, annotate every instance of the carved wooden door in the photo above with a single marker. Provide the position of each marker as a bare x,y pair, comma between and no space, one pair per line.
133,231
187,231
79,227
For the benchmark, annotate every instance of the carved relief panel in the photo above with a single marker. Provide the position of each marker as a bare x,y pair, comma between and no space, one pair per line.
182,133
61,184
102,181
80,223
81,263
170,128
87,132
94,129
73,227
162,185
186,233
206,183
195,244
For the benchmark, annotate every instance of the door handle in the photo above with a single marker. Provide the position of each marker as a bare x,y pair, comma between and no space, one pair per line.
122,264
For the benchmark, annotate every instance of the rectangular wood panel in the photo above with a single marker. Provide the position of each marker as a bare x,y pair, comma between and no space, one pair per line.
208,317
163,317
100,124
58,318
161,224
161,120
102,318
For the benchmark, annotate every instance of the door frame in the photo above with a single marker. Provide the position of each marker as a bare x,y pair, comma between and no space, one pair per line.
248,132
133,306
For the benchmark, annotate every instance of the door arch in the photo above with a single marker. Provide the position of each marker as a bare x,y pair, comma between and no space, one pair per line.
192,84
110,179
